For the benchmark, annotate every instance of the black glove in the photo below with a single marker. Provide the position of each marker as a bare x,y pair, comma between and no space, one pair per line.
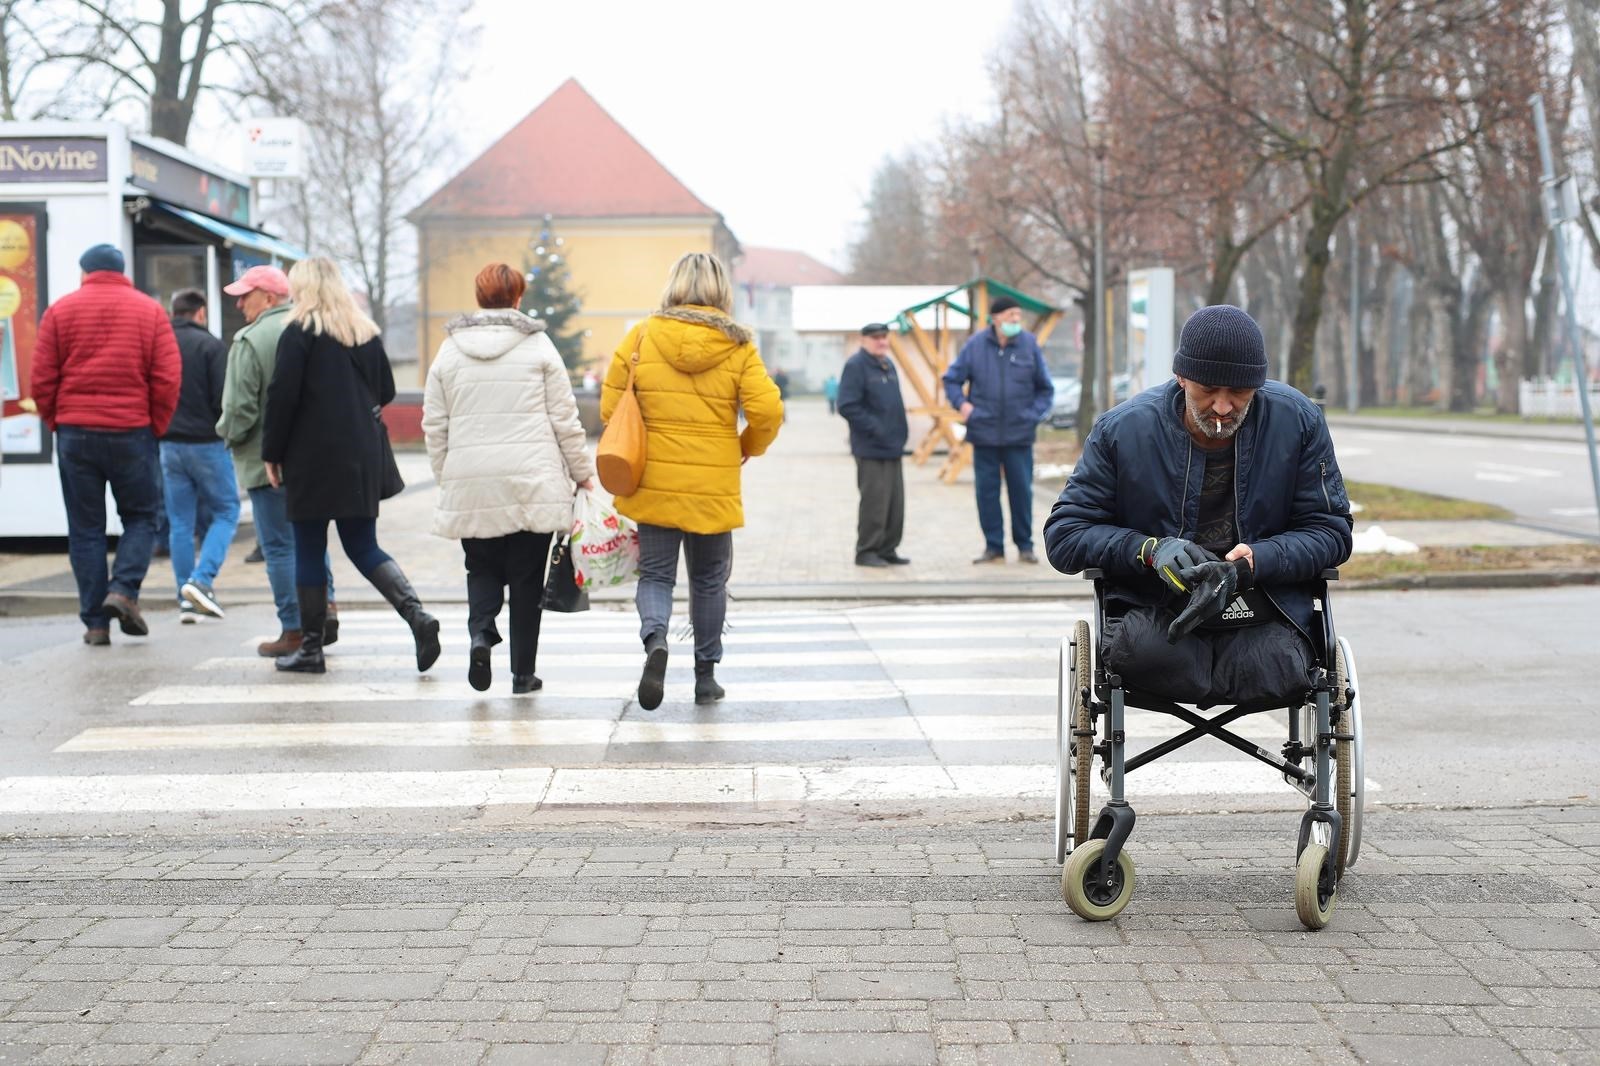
1214,584
1170,556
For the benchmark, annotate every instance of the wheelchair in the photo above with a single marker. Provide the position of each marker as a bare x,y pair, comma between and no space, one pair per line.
1097,875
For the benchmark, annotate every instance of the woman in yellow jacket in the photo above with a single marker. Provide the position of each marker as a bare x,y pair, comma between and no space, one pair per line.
697,370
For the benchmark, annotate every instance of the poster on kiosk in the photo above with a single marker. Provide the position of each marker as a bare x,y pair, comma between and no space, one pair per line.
181,221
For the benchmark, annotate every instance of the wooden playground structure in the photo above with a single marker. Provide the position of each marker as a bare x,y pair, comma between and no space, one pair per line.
924,354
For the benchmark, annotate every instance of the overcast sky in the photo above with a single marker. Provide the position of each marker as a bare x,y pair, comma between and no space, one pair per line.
774,114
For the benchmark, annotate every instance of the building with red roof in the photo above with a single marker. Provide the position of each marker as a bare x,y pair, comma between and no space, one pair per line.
624,219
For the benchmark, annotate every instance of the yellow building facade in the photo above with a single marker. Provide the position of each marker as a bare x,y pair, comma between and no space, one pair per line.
622,217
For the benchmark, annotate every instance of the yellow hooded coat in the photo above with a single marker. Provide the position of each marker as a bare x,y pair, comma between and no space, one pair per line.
697,369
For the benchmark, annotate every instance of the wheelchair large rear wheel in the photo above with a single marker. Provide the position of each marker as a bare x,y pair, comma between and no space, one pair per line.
1074,754
1351,777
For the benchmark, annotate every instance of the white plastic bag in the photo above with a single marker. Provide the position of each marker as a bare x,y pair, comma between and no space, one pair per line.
605,545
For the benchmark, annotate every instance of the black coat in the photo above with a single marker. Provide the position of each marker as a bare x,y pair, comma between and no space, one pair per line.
321,424
205,364
870,400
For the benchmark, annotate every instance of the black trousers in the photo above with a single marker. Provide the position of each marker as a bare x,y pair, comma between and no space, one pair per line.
881,519
516,562
1271,661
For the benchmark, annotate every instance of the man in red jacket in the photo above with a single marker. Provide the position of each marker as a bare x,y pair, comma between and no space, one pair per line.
106,373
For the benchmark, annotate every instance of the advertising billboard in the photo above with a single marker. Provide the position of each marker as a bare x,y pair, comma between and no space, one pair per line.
23,298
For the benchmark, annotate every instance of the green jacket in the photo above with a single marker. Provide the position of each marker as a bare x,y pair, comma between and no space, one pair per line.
251,361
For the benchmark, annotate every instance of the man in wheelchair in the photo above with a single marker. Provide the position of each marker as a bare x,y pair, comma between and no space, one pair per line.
1212,504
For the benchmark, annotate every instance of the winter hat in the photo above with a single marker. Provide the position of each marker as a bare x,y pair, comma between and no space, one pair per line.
102,257
1222,347
1002,303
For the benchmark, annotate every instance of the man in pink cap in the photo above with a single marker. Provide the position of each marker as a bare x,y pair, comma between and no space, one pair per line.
263,298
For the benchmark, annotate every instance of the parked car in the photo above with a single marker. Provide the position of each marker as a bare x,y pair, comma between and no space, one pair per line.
1064,409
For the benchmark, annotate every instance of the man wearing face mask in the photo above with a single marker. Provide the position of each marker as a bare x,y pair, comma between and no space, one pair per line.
1002,389
1211,503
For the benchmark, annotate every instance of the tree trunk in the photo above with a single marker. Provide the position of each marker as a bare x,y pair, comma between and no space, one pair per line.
1466,350
1515,346
1087,371
1313,281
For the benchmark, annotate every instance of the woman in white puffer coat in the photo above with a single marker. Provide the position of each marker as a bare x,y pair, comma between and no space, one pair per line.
507,450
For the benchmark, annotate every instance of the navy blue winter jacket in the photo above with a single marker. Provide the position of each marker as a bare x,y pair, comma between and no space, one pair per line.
870,400
1140,476
1010,388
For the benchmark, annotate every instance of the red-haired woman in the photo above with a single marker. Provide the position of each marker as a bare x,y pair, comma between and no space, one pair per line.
507,448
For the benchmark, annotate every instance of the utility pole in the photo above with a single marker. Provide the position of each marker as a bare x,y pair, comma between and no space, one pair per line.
1352,391
1100,361
1555,215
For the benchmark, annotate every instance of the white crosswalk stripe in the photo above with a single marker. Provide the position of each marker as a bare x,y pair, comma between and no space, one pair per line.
862,706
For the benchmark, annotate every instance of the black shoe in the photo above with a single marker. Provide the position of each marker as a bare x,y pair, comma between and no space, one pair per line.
255,555
868,559
896,559
390,580
1028,557
653,682
307,658
706,689
989,557
478,673
127,614
525,683
330,626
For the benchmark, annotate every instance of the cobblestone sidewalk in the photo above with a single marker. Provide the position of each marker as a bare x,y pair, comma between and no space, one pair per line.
1462,937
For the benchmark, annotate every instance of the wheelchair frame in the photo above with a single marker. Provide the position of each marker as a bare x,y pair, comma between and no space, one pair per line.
1097,878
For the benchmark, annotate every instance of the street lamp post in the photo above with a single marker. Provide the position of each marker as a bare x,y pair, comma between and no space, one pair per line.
1097,142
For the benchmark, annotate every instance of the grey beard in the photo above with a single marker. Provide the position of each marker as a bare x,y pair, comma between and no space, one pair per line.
1208,426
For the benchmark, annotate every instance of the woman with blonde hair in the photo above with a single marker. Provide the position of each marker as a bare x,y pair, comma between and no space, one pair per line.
507,450
324,441
696,370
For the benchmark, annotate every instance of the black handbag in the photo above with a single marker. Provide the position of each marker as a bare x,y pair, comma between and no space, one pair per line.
561,591
390,483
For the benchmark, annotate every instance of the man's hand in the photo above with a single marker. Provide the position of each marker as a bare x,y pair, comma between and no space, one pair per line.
966,411
1242,551
1214,584
1170,556
274,475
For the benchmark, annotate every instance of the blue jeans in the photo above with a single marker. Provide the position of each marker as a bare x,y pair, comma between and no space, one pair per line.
1017,463
359,537
270,512
199,477
88,460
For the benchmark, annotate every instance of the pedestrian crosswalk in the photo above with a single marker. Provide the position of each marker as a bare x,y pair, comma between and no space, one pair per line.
869,706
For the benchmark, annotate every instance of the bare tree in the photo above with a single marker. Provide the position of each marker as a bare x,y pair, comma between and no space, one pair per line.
902,242
372,93
167,62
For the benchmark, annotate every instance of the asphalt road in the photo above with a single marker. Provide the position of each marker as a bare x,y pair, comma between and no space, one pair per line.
1545,483
941,711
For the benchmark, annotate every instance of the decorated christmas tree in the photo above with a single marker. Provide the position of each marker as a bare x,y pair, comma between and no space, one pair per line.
548,298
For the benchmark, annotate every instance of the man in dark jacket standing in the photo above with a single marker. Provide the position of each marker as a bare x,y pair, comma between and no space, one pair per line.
196,472
869,399
105,376
1211,503
1007,394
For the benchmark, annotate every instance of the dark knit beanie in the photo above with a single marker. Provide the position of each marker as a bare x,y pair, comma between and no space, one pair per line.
1002,303
1222,347
101,257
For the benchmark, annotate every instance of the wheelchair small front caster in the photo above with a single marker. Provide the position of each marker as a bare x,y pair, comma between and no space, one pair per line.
1090,897
1314,887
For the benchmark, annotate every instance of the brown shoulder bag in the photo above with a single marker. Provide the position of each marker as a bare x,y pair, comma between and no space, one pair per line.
619,459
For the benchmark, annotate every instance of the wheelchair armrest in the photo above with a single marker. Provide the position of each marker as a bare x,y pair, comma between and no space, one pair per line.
1331,574
1093,574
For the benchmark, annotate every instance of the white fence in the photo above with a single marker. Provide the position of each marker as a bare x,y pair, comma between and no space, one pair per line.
1554,399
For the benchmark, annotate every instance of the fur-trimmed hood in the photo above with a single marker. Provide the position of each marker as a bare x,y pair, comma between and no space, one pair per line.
695,339
491,333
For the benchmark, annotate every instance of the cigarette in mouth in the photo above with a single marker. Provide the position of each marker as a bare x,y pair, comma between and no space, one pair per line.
1218,421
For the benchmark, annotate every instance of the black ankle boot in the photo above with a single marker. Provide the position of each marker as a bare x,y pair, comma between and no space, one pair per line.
307,659
706,689
479,675
390,580
525,683
653,682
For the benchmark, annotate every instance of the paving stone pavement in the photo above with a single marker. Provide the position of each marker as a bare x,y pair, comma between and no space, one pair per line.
1462,937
